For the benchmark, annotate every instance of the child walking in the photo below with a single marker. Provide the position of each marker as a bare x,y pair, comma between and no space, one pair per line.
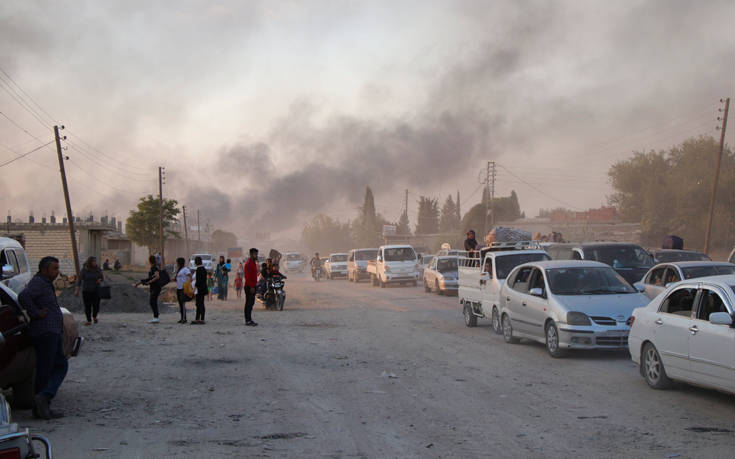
210,285
238,285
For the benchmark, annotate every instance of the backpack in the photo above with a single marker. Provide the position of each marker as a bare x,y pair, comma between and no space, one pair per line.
163,278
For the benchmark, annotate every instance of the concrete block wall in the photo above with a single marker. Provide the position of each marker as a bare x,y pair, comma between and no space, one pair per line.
53,242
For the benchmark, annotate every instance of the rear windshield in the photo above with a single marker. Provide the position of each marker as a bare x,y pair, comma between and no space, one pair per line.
619,256
365,255
446,265
426,259
293,256
703,271
671,257
504,264
338,258
587,281
400,254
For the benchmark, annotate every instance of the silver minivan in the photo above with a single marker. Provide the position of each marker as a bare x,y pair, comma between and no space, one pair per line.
357,262
16,271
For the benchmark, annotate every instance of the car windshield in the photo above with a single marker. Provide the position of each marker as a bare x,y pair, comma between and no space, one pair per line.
400,254
504,264
338,258
444,265
365,255
671,257
427,259
619,256
206,257
587,281
293,256
693,272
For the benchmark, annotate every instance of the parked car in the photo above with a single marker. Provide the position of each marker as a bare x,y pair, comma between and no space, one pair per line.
336,265
394,264
294,262
15,272
687,334
206,261
17,356
357,262
673,255
661,275
482,276
630,260
568,304
441,275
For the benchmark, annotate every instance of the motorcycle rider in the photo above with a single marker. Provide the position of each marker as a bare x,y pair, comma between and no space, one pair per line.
315,263
263,275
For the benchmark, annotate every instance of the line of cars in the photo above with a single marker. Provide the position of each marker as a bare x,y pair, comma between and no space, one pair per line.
675,318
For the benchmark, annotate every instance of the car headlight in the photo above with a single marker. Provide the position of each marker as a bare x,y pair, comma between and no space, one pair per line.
578,318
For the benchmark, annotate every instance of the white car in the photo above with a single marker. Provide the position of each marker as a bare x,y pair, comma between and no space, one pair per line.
661,275
336,265
206,261
394,264
293,261
15,272
441,275
357,262
686,334
568,304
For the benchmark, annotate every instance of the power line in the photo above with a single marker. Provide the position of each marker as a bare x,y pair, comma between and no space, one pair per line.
540,190
51,118
14,95
133,169
25,154
107,167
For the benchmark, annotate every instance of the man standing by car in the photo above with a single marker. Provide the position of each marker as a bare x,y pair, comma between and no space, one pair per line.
39,301
251,282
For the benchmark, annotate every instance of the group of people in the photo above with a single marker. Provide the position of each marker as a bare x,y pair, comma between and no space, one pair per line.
106,265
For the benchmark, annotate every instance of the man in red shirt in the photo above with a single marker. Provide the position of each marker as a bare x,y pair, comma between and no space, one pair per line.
251,281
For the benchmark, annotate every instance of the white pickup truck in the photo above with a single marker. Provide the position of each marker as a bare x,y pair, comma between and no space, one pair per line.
481,277
394,264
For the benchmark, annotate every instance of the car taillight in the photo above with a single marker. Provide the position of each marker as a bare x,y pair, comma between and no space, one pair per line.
13,453
630,321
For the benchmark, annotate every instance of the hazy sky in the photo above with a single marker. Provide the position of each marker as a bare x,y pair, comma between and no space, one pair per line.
277,110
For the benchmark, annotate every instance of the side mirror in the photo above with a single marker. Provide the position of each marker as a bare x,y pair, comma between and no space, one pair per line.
638,286
536,291
7,270
720,318
485,277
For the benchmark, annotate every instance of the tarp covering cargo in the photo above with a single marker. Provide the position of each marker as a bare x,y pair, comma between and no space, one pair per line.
503,234
673,242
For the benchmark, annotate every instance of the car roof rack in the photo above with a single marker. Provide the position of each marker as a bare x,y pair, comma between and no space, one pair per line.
515,245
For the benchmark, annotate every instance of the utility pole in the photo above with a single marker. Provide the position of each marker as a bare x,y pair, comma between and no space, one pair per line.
186,233
493,173
160,214
406,203
69,216
199,228
717,174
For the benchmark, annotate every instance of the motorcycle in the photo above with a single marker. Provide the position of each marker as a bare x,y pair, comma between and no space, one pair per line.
16,442
316,273
275,296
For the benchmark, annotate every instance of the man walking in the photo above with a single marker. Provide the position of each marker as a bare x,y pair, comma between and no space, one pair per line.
251,281
39,301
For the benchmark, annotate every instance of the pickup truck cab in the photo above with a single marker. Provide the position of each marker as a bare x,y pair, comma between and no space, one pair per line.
394,264
482,274
336,265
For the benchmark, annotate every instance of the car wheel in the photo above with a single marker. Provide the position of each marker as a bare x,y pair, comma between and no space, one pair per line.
427,289
653,368
436,288
24,392
508,331
552,341
381,283
497,326
469,318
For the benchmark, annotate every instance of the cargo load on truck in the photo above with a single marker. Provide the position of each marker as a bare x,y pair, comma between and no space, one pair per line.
504,234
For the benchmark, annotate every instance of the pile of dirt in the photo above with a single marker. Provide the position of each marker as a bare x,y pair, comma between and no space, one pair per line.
125,298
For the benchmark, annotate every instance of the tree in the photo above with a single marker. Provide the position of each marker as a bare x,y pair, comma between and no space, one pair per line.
668,192
428,216
403,226
223,240
507,209
142,226
448,221
367,227
327,235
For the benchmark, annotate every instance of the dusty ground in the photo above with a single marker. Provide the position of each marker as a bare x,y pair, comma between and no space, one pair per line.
353,371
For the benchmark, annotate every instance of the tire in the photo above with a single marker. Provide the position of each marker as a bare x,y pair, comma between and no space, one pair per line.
508,330
436,288
470,319
427,289
381,283
497,326
279,303
373,280
552,341
24,392
653,369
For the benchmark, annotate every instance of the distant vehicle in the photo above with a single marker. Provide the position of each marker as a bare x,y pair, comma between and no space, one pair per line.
568,304
16,272
336,265
687,334
660,276
673,255
441,275
482,275
294,262
394,264
424,261
357,262
630,260
206,261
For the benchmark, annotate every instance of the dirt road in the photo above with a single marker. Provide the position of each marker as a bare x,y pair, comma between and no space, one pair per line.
353,371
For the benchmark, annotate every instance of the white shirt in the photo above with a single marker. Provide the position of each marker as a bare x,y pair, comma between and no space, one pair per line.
181,277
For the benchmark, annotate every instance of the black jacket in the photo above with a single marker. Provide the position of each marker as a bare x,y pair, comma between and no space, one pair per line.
200,281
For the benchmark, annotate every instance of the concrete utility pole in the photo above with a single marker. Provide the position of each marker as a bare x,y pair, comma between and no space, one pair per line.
406,204
493,173
160,214
717,175
199,228
69,216
186,233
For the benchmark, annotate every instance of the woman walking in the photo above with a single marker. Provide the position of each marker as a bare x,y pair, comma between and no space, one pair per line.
90,277
183,274
222,278
202,290
154,275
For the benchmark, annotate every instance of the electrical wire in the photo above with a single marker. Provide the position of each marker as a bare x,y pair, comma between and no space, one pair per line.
51,118
25,154
540,190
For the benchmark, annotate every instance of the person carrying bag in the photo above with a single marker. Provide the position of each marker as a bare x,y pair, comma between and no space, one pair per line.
90,280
